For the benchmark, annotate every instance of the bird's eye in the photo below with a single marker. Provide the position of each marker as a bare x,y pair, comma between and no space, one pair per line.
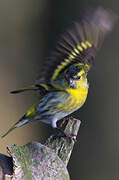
77,77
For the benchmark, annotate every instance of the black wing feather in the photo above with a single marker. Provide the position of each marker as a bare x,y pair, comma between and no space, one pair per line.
79,44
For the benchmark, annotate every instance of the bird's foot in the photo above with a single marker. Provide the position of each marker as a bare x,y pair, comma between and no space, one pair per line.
62,133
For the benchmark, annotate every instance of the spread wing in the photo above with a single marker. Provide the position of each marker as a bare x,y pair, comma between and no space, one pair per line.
78,45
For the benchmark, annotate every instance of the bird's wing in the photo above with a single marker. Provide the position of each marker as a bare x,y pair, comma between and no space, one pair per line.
42,88
79,44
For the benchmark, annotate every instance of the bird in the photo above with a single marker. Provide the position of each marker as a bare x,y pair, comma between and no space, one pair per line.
63,83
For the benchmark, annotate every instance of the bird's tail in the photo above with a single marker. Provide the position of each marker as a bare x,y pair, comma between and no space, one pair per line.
21,122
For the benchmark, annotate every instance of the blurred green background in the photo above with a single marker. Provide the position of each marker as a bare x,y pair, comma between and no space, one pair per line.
28,32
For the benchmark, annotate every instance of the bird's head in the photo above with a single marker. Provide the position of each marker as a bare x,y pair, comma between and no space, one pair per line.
76,76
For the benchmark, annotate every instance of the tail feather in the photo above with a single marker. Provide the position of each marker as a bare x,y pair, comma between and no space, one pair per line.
18,124
11,129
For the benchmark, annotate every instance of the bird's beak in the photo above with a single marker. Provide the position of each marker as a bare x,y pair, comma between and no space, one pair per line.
71,82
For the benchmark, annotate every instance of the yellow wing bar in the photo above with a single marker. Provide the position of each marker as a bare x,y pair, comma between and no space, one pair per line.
79,44
74,53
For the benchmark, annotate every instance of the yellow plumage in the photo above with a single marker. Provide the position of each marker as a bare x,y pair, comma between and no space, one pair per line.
78,95
76,99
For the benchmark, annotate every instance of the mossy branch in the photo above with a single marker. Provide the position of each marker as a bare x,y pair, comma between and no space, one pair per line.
35,161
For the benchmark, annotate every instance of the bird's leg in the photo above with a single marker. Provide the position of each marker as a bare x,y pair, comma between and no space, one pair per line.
65,134
62,122
61,128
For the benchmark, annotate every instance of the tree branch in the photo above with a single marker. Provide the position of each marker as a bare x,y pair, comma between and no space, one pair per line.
45,162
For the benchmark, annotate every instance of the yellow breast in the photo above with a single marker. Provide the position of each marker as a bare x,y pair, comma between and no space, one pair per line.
78,96
76,99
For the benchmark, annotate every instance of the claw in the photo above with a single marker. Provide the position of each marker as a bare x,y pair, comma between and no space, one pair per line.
62,133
